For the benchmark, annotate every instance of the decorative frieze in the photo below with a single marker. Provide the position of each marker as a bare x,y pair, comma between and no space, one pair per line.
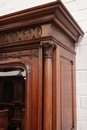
31,54
26,34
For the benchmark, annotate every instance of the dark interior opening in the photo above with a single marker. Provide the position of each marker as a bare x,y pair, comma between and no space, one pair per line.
12,98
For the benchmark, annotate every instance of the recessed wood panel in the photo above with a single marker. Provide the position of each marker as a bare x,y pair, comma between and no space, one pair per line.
66,95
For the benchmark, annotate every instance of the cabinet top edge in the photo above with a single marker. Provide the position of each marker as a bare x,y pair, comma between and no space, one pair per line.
49,11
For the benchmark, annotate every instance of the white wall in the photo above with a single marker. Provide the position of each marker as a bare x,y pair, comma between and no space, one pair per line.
9,6
78,9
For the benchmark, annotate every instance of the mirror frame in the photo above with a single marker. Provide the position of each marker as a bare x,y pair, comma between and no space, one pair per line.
28,84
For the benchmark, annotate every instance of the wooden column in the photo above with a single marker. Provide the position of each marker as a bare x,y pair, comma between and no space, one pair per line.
48,48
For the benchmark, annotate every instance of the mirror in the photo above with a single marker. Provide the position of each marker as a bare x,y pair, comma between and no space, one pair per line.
12,97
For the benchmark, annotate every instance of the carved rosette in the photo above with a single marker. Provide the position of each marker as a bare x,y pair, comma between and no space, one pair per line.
48,49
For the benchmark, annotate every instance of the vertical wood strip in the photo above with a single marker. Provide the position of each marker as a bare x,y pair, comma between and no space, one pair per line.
73,96
57,92
40,91
28,102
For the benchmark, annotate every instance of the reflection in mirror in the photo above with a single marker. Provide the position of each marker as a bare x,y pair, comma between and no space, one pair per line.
12,98
13,71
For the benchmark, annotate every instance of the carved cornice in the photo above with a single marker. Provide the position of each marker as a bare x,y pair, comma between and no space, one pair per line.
26,34
19,55
48,49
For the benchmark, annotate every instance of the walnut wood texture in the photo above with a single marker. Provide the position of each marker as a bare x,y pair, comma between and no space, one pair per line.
42,41
66,94
4,119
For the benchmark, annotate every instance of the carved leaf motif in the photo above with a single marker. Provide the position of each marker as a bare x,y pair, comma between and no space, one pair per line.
2,38
26,34
38,32
48,48
19,55
14,36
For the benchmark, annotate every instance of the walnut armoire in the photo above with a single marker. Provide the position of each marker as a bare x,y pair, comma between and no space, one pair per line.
42,41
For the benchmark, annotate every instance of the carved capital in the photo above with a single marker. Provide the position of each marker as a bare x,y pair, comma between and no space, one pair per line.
48,49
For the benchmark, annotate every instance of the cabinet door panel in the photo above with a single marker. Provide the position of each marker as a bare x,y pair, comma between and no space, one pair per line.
66,94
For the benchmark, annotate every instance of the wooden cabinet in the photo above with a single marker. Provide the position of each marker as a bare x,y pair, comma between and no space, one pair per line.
42,41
